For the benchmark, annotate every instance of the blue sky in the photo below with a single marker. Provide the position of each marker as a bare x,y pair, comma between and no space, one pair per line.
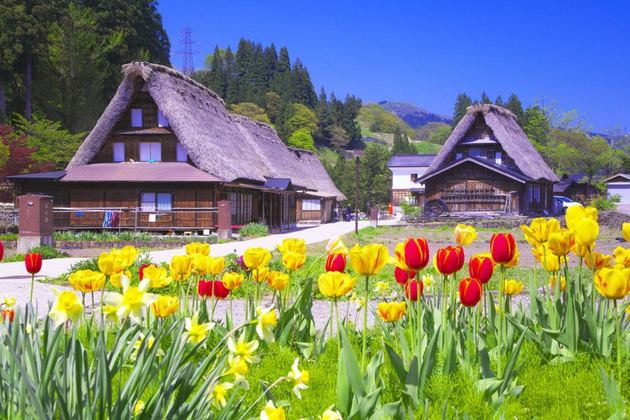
575,54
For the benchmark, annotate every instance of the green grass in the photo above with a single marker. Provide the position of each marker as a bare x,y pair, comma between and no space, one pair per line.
424,147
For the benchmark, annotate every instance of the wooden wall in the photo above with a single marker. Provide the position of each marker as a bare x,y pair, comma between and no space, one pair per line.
132,147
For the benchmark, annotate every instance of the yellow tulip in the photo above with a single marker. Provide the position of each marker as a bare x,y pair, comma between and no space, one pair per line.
552,283
613,283
116,278
550,262
256,258
158,276
200,248
292,245
391,311
107,263
87,280
561,242
538,252
277,280
271,412
216,265
369,259
582,250
260,274
164,306
586,232
538,231
232,280
181,267
512,287
334,285
293,261
464,234
336,246
622,256
597,261
127,255
576,213
67,307
200,263
625,232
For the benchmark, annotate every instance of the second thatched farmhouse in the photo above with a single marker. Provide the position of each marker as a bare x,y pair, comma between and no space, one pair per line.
166,150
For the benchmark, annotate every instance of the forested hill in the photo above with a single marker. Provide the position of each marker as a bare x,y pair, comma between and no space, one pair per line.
265,84
414,115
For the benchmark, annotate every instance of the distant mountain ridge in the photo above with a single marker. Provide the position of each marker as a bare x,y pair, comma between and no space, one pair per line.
413,115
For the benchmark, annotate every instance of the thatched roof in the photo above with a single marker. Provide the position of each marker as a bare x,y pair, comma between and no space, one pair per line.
507,132
228,146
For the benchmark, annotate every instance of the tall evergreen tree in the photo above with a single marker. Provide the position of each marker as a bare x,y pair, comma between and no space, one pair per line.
218,74
282,78
301,87
245,71
462,102
485,99
232,85
324,119
514,105
499,101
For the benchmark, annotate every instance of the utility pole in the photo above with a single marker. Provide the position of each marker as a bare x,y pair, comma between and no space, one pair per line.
357,155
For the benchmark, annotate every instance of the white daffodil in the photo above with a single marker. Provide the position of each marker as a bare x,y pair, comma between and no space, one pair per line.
299,377
244,349
67,307
133,301
266,322
219,392
196,332
331,414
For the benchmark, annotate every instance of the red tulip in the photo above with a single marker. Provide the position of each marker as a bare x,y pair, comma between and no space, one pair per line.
8,313
403,276
336,262
480,267
33,262
416,253
414,289
502,247
449,260
212,289
470,291
141,270
1,250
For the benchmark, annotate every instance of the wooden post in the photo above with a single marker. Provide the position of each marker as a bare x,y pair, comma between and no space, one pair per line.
224,224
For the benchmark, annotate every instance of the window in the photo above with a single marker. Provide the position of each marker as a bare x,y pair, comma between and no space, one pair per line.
414,177
152,201
119,152
311,205
151,152
182,154
497,158
136,117
458,155
240,207
162,121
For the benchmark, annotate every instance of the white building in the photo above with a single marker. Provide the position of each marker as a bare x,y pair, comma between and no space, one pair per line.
406,169
620,185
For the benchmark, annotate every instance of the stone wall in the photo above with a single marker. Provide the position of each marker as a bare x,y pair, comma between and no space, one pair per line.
8,217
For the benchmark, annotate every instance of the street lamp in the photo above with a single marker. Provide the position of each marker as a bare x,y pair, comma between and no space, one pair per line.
357,156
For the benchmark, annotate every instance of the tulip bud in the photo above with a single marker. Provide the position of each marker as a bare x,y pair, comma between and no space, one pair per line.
336,262
502,247
449,260
470,291
33,262
402,276
416,253
8,314
414,289
480,267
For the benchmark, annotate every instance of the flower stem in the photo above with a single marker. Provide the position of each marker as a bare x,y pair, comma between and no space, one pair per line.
500,335
619,317
365,309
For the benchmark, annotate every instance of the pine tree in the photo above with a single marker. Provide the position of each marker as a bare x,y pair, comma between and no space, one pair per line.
232,86
514,105
301,87
499,101
324,120
536,125
245,70
218,75
462,102
282,78
485,99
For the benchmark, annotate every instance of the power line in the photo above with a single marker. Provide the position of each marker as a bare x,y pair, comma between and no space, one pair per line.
187,52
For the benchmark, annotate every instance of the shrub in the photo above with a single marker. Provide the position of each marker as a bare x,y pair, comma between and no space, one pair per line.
410,210
253,230
47,252
606,203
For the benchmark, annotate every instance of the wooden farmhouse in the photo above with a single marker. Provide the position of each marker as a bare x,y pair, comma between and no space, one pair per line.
166,150
488,165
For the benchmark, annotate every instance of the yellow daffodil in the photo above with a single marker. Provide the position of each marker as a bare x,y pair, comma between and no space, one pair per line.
201,248
133,301
586,232
116,278
111,313
181,267
292,245
219,392
196,332
597,261
293,260
561,242
381,287
232,280
299,377
277,280
331,414
428,280
578,212
265,323
368,260
334,284
260,274
512,287
256,258
87,280
336,246
138,407
464,234
538,231
158,276
67,307
137,345
238,367
391,311
244,349
164,306
552,282
622,256
271,412
359,301
9,302
613,283
625,232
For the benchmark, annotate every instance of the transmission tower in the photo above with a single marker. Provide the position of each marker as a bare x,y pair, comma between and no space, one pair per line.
187,51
